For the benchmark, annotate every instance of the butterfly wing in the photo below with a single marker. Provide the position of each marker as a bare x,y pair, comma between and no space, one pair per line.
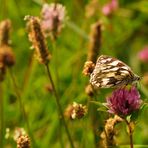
110,72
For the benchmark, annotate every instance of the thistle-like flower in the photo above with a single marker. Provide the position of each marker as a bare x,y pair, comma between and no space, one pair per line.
124,101
53,17
37,38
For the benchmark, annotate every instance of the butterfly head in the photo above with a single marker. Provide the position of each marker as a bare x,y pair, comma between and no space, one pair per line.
137,78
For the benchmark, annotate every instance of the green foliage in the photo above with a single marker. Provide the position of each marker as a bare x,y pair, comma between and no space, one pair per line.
124,35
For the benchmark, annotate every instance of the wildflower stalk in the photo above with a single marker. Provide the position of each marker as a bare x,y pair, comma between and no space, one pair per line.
28,73
59,105
93,51
57,82
37,38
130,133
1,117
56,63
21,104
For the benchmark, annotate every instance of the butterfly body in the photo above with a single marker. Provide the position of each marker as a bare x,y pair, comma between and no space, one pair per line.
111,72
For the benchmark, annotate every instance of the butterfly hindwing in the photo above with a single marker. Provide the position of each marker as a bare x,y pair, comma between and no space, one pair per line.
110,72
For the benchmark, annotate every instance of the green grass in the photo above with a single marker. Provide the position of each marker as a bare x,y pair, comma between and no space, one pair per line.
124,34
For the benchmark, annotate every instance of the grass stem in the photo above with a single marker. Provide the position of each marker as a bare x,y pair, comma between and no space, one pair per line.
130,133
22,108
1,117
59,106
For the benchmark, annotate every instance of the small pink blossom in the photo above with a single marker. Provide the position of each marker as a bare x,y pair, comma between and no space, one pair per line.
143,54
110,7
53,17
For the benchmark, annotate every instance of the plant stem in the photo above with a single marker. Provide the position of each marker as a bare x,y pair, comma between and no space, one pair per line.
1,117
59,106
130,133
21,105
56,64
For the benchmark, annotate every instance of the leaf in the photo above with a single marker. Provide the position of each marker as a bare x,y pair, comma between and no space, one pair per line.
141,6
103,109
102,106
135,115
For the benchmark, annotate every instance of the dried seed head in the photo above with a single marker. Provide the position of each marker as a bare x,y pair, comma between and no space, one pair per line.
6,56
5,27
38,40
21,138
88,68
108,135
23,142
75,111
89,90
95,42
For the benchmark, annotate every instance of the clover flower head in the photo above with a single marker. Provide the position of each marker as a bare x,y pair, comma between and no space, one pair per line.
124,101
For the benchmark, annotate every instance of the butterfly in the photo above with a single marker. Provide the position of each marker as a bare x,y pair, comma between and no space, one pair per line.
111,72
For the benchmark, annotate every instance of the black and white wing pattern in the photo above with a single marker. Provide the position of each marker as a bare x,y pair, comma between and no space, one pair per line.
111,72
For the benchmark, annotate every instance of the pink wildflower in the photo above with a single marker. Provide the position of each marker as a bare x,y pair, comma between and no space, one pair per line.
124,102
143,54
53,17
110,7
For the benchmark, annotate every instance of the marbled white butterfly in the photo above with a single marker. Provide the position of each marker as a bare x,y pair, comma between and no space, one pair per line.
111,72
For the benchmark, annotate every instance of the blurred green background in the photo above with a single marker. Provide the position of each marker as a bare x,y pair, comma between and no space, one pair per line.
124,35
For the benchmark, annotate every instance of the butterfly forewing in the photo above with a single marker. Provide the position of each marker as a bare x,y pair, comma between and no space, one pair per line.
111,72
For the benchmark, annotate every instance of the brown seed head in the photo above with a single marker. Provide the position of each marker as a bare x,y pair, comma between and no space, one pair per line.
108,135
88,68
95,42
6,56
38,40
75,111
89,90
23,142
5,27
